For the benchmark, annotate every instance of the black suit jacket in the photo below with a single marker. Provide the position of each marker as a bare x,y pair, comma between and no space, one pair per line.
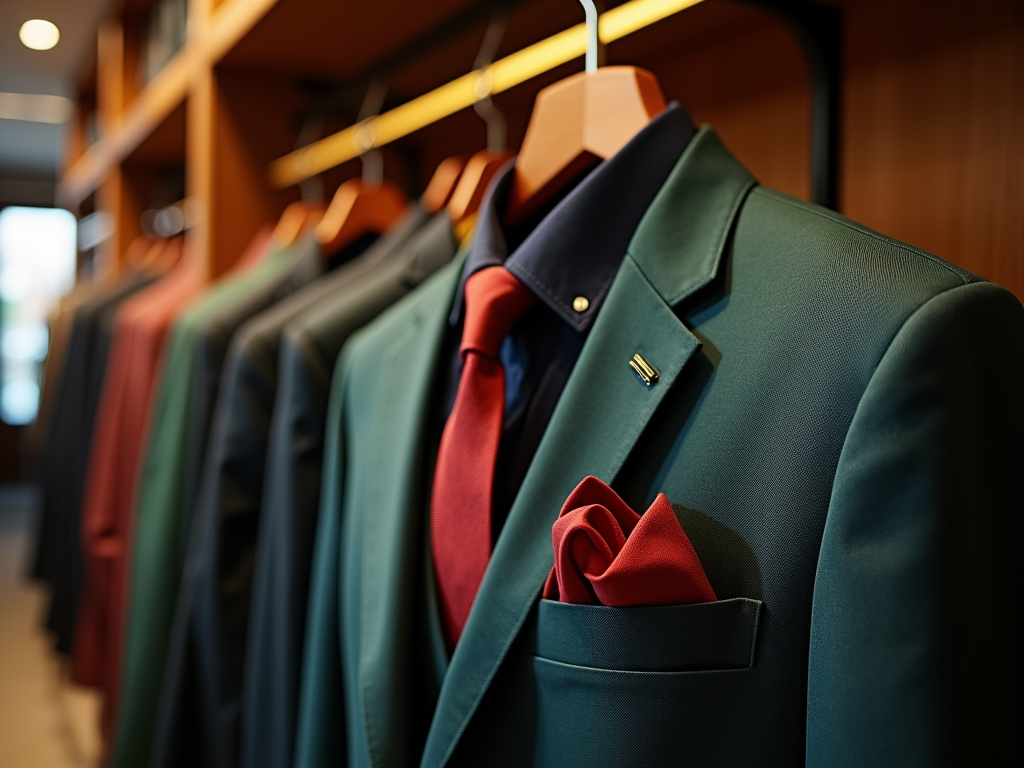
178,727
65,455
211,348
291,493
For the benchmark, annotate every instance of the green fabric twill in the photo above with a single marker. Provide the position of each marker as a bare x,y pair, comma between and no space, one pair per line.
838,425
159,535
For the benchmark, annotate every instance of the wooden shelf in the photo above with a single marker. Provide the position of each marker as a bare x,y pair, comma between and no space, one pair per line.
154,104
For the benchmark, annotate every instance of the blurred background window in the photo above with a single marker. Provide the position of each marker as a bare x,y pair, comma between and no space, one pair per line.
38,255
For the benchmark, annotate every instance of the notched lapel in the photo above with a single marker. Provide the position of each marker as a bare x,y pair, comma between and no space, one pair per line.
391,504
599,418
677,249
681,239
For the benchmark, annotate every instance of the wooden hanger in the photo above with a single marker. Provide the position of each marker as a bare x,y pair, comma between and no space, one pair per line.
469,193
369,205
141,252
359,208
442,183
297,219
577,122
171,254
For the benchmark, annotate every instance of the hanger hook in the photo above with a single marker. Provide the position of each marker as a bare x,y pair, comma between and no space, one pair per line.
484,105
593,56
312,188
371,158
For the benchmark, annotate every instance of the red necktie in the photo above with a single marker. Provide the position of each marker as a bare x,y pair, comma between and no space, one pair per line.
460,508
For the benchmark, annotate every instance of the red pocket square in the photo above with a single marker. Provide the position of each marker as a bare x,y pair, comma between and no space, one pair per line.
607,554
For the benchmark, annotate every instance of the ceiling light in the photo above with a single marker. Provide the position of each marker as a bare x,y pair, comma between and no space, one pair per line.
39,34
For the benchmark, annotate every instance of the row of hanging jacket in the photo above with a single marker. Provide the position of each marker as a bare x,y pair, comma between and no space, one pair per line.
628,461
165,406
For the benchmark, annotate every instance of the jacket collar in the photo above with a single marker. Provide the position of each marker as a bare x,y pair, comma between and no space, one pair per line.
575,249
676,250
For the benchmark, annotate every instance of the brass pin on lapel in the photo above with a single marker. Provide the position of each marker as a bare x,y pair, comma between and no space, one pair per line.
648,373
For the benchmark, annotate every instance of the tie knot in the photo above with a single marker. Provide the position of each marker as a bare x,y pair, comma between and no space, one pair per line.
495,299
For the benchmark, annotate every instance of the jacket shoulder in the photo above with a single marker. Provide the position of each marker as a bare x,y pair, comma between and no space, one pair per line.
833,235
407,316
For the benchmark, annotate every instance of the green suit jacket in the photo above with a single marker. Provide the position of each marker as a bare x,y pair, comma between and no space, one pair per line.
838,424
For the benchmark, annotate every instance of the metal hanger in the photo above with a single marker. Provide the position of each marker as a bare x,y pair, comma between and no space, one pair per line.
302,215
368,205
482,166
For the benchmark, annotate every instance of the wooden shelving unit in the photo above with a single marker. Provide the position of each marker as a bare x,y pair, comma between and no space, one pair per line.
154,130
237,96
231,101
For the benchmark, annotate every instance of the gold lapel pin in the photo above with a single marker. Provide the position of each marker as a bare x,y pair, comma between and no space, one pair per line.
648,373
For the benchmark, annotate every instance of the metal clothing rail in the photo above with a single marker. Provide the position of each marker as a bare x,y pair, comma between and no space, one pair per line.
819,31
817,28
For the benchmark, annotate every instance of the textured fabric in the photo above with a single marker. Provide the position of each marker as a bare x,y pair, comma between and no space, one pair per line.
919,537
58,559
198,717
607,554
460,508
161,508
310,344
805,424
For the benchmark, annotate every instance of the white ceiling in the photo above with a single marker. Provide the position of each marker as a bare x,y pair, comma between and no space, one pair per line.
29,149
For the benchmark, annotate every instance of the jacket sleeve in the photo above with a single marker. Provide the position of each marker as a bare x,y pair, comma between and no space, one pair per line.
320,728
914,656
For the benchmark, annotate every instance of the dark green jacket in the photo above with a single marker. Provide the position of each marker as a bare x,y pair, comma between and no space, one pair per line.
838,422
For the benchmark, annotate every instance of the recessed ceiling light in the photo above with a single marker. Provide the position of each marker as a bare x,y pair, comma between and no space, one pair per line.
39,34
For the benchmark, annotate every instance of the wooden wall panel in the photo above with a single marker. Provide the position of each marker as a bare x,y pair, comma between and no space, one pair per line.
748,81
933,150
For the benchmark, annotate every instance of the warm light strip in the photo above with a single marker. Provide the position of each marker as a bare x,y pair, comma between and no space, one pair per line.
441,102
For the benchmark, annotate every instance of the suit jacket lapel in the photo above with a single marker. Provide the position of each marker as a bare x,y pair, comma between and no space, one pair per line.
602,412
390,532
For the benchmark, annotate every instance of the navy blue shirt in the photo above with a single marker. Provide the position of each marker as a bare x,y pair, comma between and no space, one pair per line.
568,254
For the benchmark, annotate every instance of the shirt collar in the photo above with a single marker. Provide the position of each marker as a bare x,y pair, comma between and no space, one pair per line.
576,249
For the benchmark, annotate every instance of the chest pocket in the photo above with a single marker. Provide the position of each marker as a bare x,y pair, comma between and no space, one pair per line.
635,686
